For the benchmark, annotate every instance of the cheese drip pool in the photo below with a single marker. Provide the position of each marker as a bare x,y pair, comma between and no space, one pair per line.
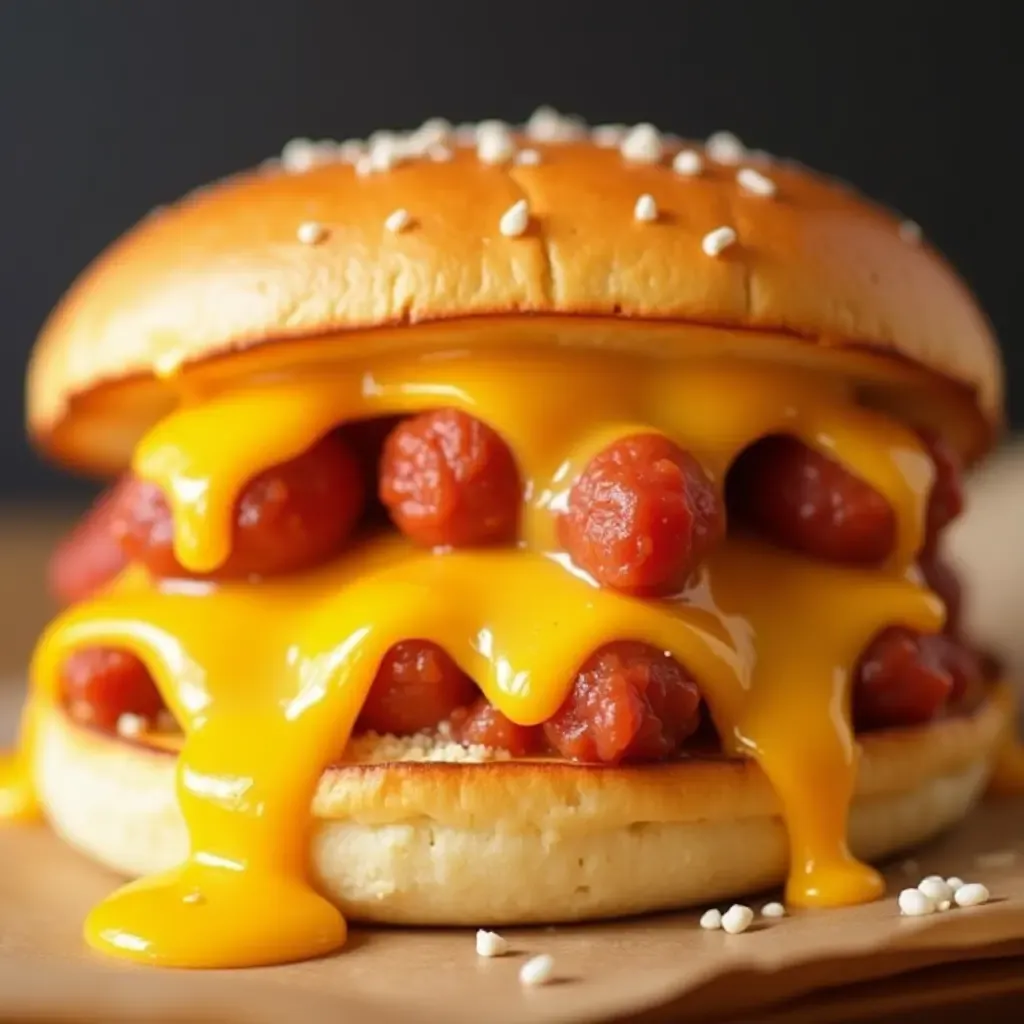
267,674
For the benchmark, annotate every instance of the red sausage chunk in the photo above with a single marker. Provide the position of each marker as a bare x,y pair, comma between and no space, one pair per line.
629,702
803,500
483,723
449,480
99,684
416,687
906,679
946,500
642,516
290,517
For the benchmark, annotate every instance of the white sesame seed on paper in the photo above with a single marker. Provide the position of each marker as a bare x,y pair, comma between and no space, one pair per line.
936,889
515,220
398,221
646,209
914,903
954,882
755,182
714,243
773,910
642,144
688,163
711,920
973,894
538,970
490,944
311,232
737,919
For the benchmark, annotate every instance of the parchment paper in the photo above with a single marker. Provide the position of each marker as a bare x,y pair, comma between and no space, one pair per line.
660,968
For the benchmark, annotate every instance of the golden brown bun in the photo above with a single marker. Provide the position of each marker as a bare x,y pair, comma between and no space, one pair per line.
517,842
224,270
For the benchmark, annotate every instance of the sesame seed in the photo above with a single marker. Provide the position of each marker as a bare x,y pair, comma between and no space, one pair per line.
914,903
431,132
299,155
711,920
943,906
646,208
608,136
465,133
935,889
494,144
725,148
385,154
439,153
538,970
130,725
997,859
773,910
515,220
398,221
737,919
310,232
754,181
932,878
688,163
351,150
547,125
910,231
364,165
973,894
490,944
642,144
528,157
954,883
716,242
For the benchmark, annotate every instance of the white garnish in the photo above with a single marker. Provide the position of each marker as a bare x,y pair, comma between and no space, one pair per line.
725,148
914,903
439,153
642,145
494,144
538,970
755,182
490,944
711,920
515,220
737,919
688,162
528,157
973,894
311,232
646,208
773,910
935,889
954,883
716,242
398,221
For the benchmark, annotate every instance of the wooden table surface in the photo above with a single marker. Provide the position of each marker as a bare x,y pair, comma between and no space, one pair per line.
993,989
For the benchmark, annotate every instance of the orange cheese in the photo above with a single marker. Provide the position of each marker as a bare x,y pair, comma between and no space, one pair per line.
268,677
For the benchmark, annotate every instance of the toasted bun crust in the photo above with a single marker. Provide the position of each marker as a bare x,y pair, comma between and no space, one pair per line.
526,842
225,270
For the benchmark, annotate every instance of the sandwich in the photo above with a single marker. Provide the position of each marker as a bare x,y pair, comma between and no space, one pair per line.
505,525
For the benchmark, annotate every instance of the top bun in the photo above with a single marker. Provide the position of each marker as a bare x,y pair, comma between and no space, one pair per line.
314,244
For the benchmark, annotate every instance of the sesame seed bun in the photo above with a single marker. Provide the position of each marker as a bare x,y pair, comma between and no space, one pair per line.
515,842
350,257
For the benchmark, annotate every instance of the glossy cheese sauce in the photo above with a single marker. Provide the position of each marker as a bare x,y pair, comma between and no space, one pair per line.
267,678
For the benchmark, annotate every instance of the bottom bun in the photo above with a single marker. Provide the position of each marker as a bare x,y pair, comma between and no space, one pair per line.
516,842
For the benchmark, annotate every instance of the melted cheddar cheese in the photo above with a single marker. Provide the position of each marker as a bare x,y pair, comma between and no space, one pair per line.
267,678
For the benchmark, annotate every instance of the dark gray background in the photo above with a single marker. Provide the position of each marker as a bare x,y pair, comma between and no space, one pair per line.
110,107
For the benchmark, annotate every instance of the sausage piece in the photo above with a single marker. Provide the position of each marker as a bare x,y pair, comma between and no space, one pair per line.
904,679
90,555
483,723
416,687
946,501
290,517
629,702
943,580
642,516
803,500
99,684
448,480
